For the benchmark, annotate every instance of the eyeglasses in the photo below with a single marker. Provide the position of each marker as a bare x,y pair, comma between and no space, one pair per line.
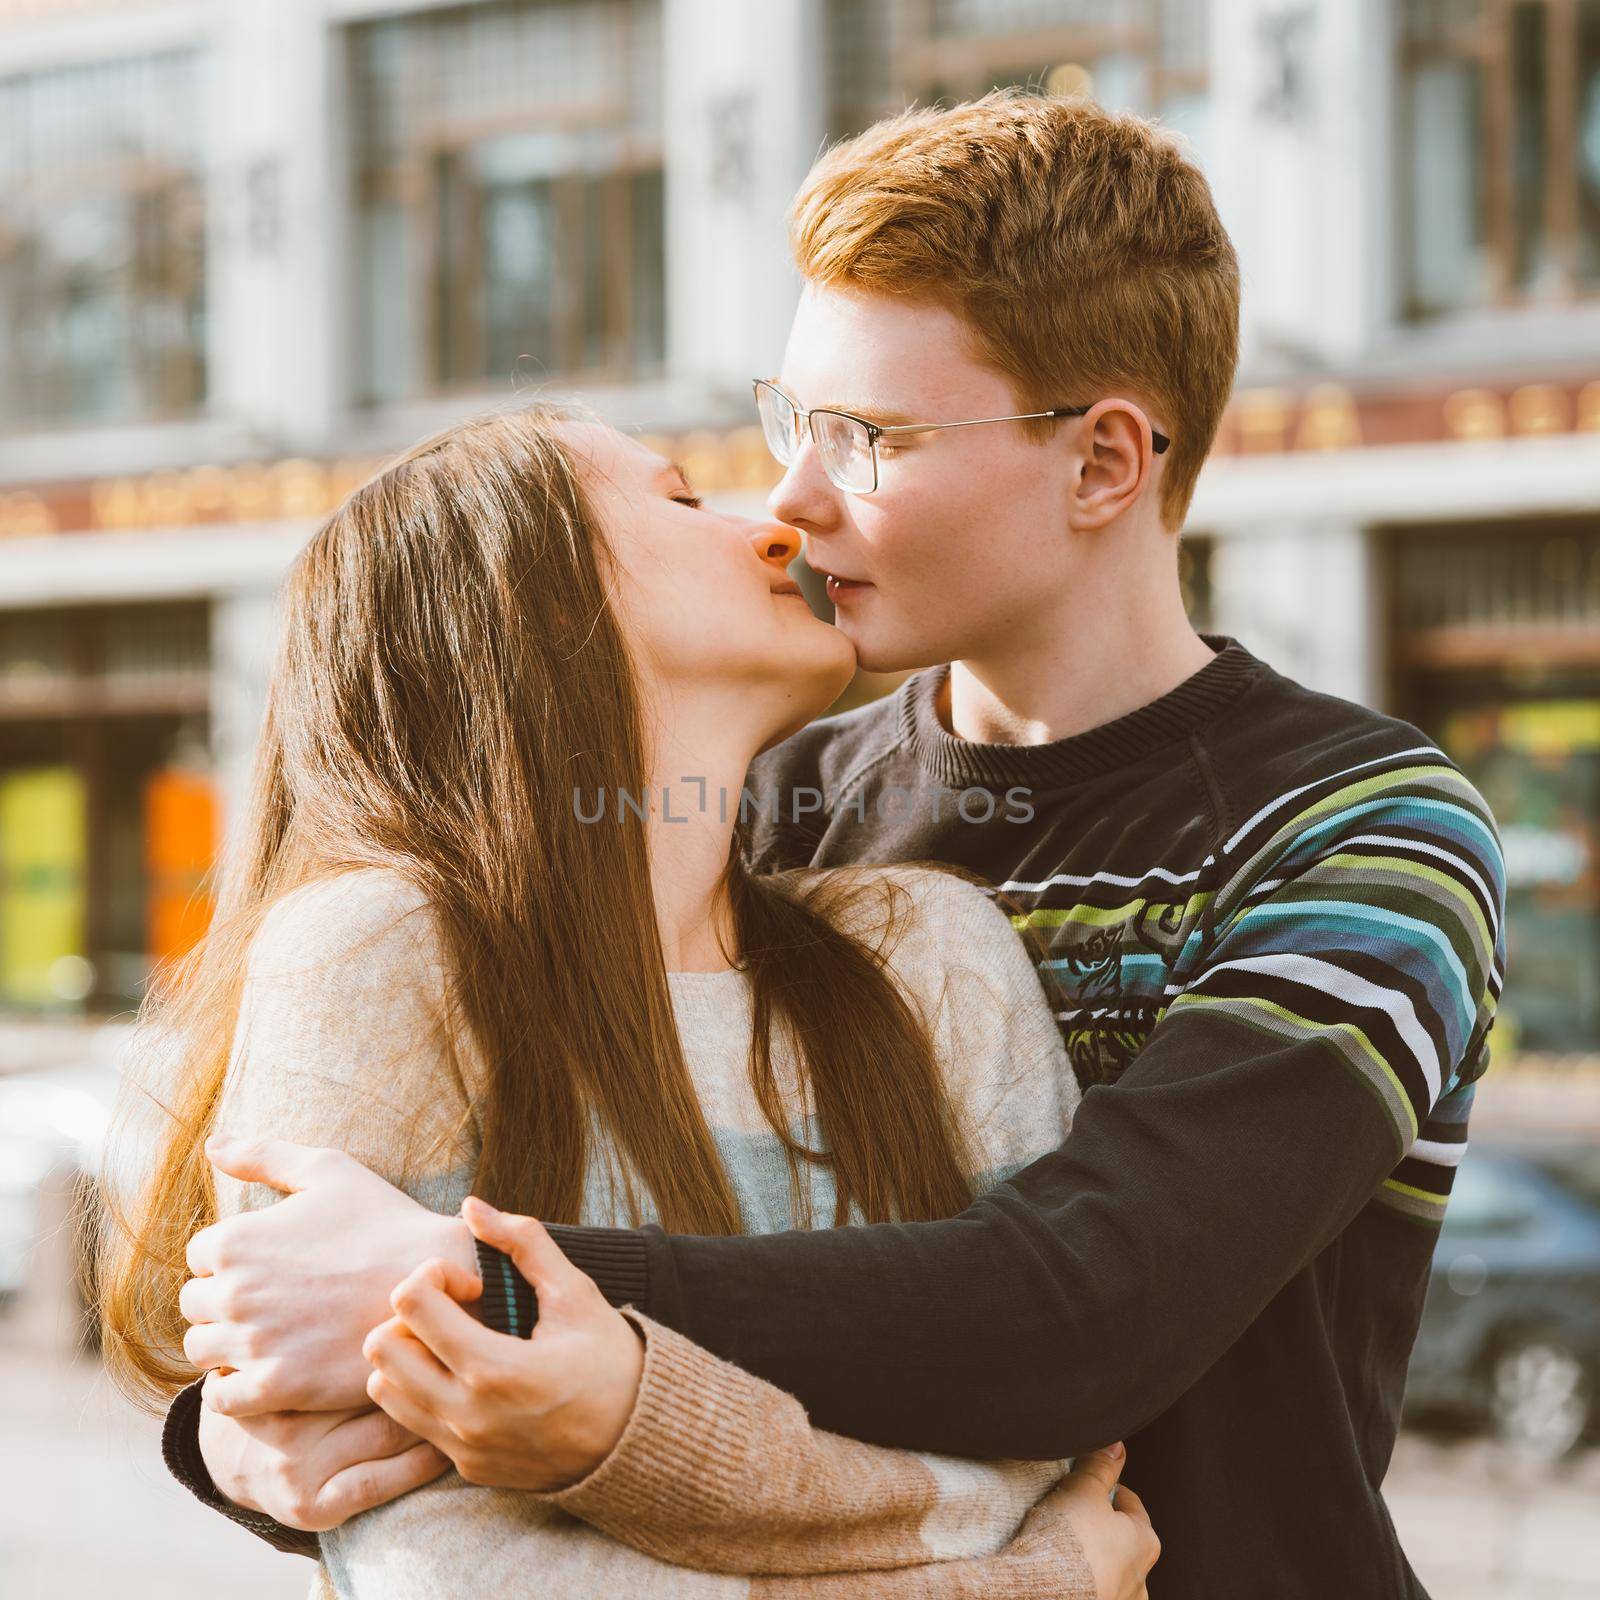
848,445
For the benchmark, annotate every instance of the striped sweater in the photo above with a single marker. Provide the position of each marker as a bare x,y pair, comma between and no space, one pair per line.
347,1036
1271,923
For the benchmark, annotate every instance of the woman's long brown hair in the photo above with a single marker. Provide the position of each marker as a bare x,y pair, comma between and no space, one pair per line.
449,671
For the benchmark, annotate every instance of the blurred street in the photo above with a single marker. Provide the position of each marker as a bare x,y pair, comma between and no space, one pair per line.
87,1509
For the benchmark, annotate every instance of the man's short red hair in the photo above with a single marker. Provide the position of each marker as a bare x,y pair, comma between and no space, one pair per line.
1081,245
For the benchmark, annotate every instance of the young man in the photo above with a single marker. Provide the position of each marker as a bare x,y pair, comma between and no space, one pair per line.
1272,920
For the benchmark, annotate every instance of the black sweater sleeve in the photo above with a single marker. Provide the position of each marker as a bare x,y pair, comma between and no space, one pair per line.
1066,1308
180,1449
1348,985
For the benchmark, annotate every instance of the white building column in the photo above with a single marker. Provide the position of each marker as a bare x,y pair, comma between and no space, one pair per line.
1303,171
745,112
1305,597
276,208
242,625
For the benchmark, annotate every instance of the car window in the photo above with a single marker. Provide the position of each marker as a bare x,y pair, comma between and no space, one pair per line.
1575,1170
1488,1199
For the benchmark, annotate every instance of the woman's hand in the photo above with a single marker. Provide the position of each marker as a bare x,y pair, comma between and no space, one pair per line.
313,1470
1104,1517
535,1413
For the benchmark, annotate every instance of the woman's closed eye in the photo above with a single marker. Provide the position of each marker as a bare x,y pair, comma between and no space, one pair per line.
689,500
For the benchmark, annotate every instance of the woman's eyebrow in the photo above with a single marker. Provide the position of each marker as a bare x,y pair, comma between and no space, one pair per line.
671,469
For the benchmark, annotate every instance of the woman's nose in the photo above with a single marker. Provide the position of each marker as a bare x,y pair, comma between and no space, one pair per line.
775,542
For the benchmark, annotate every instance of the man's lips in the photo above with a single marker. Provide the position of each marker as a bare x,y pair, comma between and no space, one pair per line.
843,588
788,586
838,585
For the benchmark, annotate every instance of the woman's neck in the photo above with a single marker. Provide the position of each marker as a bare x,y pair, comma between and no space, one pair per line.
695,786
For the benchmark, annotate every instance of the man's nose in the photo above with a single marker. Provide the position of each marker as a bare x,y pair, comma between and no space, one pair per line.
805,498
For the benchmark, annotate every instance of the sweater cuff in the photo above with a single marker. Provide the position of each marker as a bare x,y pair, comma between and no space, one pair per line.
682,1447
509,1304
180,1449
616,1258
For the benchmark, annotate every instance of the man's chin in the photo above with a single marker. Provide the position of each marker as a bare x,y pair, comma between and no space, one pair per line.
878,651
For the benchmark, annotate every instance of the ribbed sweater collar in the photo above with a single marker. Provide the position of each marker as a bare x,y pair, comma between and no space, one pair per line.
961,762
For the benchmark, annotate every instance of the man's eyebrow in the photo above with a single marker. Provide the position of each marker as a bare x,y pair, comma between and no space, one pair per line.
871,413
884,416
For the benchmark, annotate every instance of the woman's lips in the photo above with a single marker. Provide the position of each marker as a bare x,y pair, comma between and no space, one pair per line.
845,588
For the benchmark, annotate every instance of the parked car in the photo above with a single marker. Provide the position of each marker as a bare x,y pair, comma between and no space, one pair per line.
1510,1335
51,1122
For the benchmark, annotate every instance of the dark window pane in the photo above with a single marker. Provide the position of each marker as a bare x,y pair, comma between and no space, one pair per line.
495,146
1443,206
1528,159
1588,133
649,270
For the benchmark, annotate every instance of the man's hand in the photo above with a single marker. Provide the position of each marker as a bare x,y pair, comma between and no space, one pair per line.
282,1297
535,1413
314,1470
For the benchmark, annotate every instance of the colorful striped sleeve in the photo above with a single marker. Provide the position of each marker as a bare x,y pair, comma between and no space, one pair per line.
1365,914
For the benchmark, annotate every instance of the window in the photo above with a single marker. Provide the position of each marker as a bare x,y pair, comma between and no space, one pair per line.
509,204
1147,56
1500,112
102,243
109,817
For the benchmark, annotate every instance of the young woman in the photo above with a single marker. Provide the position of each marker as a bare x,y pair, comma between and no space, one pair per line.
486,929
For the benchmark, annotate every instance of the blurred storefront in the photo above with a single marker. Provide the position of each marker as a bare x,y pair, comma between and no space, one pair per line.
250,249
1497,650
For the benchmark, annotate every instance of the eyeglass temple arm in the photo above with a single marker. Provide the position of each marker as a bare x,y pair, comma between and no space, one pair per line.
1158,441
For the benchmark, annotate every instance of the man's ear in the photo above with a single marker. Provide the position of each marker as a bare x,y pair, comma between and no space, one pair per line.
1115,464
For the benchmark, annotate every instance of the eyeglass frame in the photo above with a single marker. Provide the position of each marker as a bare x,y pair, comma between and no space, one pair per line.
876,430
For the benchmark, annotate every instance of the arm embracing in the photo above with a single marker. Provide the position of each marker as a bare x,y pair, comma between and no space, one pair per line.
719,1470
1345,983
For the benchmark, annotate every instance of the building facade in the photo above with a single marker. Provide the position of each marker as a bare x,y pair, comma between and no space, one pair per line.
250,248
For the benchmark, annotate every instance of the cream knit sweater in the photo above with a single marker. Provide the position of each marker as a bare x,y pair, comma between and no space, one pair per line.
346,1038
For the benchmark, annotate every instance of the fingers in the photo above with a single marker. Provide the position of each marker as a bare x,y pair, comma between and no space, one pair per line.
202,1253
428,1302
403,1362
1101,1467
368,1435
237,1394
278,1163
375,1483
537,1256
200,1300
407,1413
1130,1505
210,1344
447,1277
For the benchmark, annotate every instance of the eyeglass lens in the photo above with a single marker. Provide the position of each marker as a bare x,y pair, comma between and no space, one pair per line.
844,444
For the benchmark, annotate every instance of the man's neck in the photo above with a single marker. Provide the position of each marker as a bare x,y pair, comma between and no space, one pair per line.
1089,674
